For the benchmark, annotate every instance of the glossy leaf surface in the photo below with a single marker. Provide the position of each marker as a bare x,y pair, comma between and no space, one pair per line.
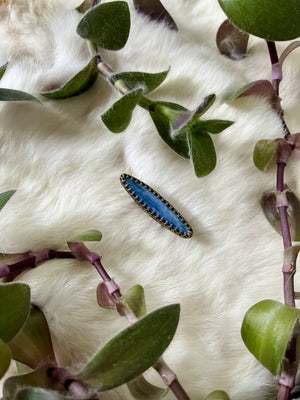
164,118
118,117
5,357
38,378
155,10
107,24
269,19
16,95
15,306
264,153
142,80
266,331
135,300
93,235
5,196
218,395
32,345
231,41
133,350
202,151
268,204
3,69
141,389
80,83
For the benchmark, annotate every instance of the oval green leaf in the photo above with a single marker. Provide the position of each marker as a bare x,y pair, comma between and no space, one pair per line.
16,95
135,300
264,153
141,389
142,80
231,41
266,331
38,378
32,345
77,85
15,307
165,115
92,235
156,11
5,196
218,395
5,358
269,19
107,24
118,117
133,350
269,206
202,150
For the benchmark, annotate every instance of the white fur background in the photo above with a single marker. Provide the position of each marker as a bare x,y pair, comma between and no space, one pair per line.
66,165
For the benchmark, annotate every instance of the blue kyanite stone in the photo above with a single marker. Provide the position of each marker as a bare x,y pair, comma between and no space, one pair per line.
156,206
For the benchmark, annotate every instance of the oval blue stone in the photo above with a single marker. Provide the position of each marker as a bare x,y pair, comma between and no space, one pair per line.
156,206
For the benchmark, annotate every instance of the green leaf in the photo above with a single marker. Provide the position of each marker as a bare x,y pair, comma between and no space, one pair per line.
264,153
266,331
77,85
107,24
218,395
141,389
260,88
269,19
135,300
142,80
155,10
215,125
5,358
269,206
16,95
32,345
207,102
38,378
231,41
4,197
15,306
202,150
3,69
133,350
165,116
93,235
118,117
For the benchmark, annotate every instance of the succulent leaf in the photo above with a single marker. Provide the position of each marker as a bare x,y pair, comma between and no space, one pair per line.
133,350
107,24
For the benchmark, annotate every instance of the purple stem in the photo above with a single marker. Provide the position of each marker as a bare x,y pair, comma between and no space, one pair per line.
82,253
276,79
287,378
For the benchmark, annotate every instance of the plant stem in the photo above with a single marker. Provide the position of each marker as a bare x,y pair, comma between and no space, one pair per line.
287,378
109,75
276,79
82,253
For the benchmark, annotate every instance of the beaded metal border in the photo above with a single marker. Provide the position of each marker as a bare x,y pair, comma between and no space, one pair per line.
160,218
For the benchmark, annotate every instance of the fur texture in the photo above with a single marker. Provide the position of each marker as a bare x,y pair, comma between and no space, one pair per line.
66,165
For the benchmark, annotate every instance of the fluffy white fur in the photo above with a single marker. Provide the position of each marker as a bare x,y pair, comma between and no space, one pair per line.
66,165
